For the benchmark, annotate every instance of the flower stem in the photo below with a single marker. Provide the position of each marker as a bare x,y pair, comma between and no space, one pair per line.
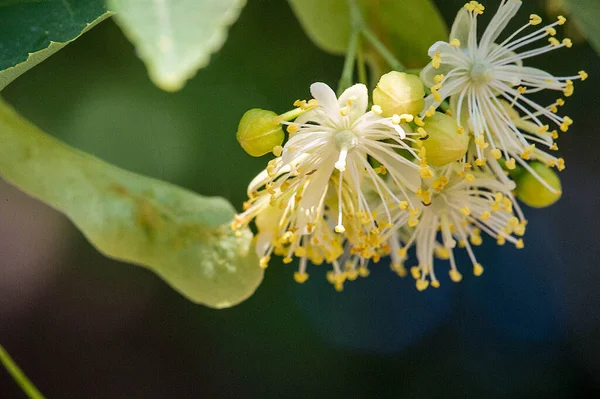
382,50
362,68
348,71
18,375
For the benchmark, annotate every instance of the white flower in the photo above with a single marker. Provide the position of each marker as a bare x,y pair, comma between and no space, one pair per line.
476,75
456,209
315,187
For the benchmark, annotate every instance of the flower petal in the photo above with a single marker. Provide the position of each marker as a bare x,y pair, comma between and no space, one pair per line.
326,97
505,13
358,97
460,27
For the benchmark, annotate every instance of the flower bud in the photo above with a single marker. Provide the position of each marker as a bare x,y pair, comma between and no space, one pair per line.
399,93
259,131
532,192
443,143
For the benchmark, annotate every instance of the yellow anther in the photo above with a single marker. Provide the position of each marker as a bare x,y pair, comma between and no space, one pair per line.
300,277
407,117
567,42
396,119
415,271
465,210
439,183
485,215
569,88
435,284
422,285
553,147
287,260
527,151
455,275
431,110
344,110
425,172
560,164
436,60
376,109
399,269
455,43
351,99
520,244
422,132
535,19
554,134
476,240
583,75
551,31
460,130
340,229
567,122
480,142
470,177
553,109
496,153
554,41
521,89
561,20
510,164
477,269
442,252
560,102
363,271
401,252
300,252
439,78
380,170
480,161
419,121
277,150
475,7
543,129
500,240
403,205
436,96
264,262
293,128
424,195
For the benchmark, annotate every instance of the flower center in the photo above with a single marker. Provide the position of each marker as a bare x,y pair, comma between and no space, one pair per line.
345,140
480,73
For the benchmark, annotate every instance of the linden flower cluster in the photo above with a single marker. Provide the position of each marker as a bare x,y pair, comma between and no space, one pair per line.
356,182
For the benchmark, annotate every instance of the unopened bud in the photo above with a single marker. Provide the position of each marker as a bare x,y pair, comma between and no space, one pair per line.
532,192
259,131
443,143
399,93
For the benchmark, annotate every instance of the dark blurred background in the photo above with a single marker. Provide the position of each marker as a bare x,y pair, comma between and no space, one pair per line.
83,326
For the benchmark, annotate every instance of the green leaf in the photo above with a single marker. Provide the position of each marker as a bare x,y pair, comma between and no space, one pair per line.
176,38
183,237
586,13
34,30
407,27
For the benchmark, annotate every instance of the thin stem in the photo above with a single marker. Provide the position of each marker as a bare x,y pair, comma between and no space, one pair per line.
348,71
18,375
362,68
382,49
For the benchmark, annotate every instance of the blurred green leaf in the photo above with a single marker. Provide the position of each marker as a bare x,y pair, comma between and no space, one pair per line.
34,30
183,237
176,38
587,12
407,27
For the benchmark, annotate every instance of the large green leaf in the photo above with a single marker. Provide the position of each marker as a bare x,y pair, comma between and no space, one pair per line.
31,31
587,12
407,27
175,38
183,237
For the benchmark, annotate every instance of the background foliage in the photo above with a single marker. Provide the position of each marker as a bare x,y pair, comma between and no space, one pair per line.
82,325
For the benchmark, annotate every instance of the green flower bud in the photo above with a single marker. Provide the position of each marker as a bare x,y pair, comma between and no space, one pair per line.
399,93
443,143
259,132
532,192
